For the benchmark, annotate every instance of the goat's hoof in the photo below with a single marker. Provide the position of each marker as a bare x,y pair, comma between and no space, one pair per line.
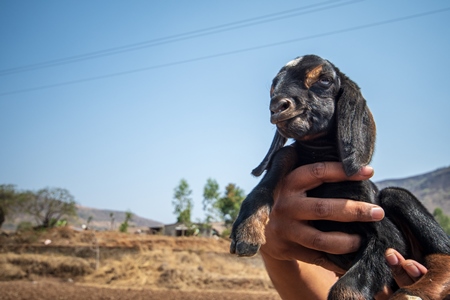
248,233
243,248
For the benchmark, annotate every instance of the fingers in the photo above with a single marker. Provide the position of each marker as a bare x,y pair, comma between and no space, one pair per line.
293,251
300,233
340,210
329,242
405,272
289,220
313,175
289,234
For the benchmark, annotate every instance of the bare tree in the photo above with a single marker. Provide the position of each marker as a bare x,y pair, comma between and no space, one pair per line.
111,216
49,205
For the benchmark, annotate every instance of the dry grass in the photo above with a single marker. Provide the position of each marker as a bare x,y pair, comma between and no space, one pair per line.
18,266
127,260
170,269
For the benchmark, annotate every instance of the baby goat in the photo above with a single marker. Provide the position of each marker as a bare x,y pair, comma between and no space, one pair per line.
325,112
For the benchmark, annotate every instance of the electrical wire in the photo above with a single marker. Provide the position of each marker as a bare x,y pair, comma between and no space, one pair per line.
233,52
182,36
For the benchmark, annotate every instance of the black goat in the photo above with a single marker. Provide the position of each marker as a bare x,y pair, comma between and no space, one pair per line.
325,112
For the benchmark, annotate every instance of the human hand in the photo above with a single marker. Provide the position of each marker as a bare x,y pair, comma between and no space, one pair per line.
289,236
405,271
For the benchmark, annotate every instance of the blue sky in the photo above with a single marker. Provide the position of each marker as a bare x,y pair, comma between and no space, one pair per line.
120,130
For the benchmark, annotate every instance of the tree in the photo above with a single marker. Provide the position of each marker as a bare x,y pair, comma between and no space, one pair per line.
182,202
231,202
111,216
49,205
89,220
442,219
7,196
128,218
210,197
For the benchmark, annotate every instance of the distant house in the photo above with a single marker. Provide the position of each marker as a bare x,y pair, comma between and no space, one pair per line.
175,229
157,229
181,229
218,228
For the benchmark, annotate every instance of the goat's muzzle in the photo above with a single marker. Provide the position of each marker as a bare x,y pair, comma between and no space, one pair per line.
282,109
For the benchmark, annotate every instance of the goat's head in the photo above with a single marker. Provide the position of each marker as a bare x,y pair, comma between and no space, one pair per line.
309,98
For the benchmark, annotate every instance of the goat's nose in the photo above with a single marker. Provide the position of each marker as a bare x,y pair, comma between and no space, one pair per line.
279,106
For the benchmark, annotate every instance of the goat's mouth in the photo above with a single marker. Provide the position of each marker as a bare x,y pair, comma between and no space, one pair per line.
297,127
282,116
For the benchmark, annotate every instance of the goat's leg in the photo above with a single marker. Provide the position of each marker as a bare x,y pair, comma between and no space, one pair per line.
367,277
248,234
427,237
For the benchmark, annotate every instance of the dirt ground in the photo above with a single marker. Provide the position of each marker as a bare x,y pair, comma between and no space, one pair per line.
54,289
67,264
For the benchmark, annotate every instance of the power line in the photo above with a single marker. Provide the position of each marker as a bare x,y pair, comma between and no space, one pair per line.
182,36
238,51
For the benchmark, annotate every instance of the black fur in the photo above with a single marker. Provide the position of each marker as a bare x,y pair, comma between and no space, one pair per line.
325,112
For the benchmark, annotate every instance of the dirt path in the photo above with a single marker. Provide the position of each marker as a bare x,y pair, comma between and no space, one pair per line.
55,289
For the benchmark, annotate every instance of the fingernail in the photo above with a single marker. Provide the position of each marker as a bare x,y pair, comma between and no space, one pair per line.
377,213
392,259
412,270
366,171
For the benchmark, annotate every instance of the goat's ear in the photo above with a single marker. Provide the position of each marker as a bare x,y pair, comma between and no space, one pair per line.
356,128
277,143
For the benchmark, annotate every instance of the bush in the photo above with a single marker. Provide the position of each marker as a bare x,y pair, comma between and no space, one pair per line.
123,227
24,226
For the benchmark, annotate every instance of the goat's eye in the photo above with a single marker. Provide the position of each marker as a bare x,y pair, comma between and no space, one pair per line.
325,82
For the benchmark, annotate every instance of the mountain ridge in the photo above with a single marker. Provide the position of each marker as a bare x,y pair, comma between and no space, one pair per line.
432,188
101,218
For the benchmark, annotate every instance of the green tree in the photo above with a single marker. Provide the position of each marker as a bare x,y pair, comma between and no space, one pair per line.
210,197
442,219
128,218
230,204
182,202
49,205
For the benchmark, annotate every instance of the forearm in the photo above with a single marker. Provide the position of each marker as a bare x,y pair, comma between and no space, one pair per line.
298,280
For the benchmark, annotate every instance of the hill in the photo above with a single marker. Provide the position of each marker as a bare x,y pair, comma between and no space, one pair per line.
432,189
101,218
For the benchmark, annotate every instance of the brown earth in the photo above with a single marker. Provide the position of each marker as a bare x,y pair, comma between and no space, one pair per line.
67,264
51,289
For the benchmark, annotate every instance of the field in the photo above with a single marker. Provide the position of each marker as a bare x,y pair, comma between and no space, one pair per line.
67,264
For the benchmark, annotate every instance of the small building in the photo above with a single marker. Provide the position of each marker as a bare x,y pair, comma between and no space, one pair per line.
196,229
218,228
175,229
157,229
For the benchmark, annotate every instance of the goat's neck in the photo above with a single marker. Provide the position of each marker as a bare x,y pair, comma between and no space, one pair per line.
318,150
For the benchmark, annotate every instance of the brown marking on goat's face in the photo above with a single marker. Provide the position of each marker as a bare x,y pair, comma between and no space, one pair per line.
312,76
252,230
